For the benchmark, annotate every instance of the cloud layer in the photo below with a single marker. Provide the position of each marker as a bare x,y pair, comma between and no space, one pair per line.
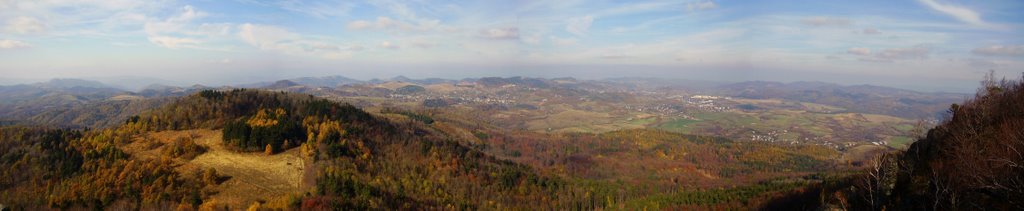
1000,50
332,37
13,44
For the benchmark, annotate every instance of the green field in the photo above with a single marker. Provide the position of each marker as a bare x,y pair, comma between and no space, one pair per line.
642,122
901,142
679,125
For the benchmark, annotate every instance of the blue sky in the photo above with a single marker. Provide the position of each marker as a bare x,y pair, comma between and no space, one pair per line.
925,44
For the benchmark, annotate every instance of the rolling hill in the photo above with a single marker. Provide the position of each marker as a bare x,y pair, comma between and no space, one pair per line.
343,157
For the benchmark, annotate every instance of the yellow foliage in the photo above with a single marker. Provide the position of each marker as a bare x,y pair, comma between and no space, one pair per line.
770,155
279,202
254,207
212,205
184,207
265,118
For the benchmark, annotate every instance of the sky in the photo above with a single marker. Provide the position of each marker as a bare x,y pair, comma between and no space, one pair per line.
927,45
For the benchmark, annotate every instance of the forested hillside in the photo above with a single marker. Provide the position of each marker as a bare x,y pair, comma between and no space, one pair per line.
972,161
649,168
355,160
102,114
359,160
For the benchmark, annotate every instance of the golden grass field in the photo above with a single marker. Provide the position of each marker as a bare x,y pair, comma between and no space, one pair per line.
250,177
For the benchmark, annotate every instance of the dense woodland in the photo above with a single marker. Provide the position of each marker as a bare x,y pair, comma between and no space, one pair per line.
61,168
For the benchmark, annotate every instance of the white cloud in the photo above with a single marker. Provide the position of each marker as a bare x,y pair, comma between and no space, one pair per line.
703,47
1000,50
13,44
510,33
266,37
25,25
396,8
67,18
323,47
702,5
278,39
388,45
360,24
875,60
532,38
822,21
212,29
962,14
179,31
386,23
859,51
615,56
123,44
173,42
422,43
563,41
871,31
320,9
915,52
173,24
188,13
579,26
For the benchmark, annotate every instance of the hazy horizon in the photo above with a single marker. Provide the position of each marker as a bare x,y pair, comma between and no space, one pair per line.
924,45
137,83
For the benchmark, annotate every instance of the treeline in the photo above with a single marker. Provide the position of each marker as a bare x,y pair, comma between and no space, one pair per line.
252,120
266,131
213,109
742,197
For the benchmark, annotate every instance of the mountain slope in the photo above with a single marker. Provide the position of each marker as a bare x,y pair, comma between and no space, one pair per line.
361,162
972,161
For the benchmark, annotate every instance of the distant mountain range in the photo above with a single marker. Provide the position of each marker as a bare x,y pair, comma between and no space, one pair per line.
326,81
78,103
56,88
857,98
24,101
